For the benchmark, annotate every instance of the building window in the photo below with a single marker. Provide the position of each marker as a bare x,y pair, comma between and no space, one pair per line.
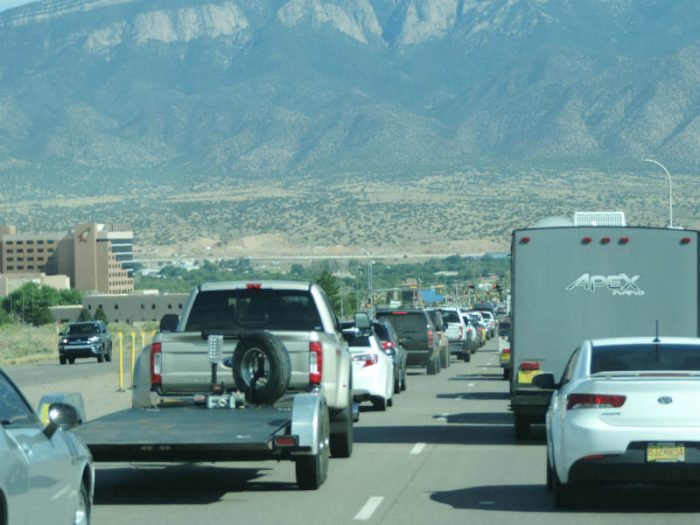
30,242
10,259
20,267
180,306
170,307
30,250
153,307
10,242
89,307
10,250
10,267
20,242
40,242
20,250
143,306
116,307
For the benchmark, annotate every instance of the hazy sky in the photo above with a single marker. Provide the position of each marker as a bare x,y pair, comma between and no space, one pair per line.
6,4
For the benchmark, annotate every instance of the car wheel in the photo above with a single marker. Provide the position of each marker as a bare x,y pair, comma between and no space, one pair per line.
261,368
71,360
564,493
379,404
521,425
62,359
431,368
341,442
467,356
108,355
100,358
82,513
403,382
445,359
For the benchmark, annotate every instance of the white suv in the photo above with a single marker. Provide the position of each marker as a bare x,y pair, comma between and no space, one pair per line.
457,336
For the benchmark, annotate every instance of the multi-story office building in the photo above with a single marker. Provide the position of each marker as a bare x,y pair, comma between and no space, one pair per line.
95,257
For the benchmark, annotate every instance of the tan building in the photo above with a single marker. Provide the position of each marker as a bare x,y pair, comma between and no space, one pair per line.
136,307
10,283
95,257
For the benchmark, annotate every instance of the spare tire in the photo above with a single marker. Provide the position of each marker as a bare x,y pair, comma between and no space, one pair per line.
261,367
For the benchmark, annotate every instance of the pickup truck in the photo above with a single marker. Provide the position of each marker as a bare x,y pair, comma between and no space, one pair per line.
250,371
260,322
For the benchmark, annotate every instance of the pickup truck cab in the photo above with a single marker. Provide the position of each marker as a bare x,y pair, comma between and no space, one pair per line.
279,337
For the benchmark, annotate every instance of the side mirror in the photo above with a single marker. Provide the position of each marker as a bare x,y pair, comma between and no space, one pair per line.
544,381
63,416
168,322
362,321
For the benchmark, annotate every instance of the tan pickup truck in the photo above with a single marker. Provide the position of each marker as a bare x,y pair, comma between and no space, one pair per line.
279,337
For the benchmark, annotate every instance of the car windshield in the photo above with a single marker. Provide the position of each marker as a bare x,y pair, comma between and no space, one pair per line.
13,408
254,308
82,329
645,357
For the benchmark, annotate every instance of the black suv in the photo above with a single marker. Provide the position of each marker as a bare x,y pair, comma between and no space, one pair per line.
417,335
85,339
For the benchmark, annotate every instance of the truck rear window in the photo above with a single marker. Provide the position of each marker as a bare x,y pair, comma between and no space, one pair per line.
645,357
258,309
406,322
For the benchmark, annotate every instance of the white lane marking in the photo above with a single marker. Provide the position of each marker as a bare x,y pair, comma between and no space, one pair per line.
369,508
471,384
444,416
417,449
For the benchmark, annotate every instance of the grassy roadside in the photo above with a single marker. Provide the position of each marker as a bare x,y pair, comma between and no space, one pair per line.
21,344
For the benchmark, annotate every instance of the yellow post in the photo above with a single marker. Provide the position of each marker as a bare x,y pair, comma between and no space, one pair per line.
133,356
143,338
121,361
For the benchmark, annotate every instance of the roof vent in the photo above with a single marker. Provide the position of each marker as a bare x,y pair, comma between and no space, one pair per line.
599,218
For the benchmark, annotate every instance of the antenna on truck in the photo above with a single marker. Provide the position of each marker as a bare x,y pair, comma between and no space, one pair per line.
657,340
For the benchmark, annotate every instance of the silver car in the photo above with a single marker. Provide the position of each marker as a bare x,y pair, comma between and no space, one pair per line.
46,473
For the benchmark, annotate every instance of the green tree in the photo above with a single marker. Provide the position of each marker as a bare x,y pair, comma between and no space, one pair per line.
100,314
42,316
84,315
329,283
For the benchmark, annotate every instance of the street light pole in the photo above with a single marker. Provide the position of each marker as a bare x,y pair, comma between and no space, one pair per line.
670,190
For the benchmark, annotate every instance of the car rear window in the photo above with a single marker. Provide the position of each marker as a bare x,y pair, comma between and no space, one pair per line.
407,321
360,340
645,357
258,309
450,317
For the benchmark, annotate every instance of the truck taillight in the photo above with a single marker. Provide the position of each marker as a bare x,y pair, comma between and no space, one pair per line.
594,401
529,365
430,338
315,362
506,351
156,364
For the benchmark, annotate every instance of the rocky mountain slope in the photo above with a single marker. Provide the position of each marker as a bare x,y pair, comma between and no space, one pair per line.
94,92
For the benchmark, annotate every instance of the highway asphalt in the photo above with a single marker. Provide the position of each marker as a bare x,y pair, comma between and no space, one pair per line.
443,454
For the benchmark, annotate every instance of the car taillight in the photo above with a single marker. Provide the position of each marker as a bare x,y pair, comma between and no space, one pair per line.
156,364
366,359
315,362
461,332
430,338
594,401
387,345
506,351
529,365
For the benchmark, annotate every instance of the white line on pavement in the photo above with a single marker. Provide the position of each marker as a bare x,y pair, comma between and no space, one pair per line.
417,449
444,416
471,384
369,508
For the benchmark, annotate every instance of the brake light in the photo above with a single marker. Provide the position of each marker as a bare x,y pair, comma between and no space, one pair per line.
685,240
315,362
529,365
387,345
461,331
586,240
366,359
594,401
399,313
605,240
253,286
156,364
525,240
624,240
506,351
286,441
430,338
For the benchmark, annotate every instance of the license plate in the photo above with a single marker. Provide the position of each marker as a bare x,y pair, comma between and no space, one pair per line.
505,358
526,376
665,453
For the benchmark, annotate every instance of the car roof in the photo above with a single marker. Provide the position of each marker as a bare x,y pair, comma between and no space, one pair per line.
263,284
627,341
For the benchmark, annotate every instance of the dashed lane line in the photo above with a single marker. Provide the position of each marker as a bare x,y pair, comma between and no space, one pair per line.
417,449
369,508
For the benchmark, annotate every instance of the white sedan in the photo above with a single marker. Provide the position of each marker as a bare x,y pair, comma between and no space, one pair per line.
372,371
624,411
46,474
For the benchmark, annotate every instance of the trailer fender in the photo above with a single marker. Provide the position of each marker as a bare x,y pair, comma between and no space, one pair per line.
309,412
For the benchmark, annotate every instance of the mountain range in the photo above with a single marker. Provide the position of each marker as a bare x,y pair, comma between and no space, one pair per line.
98,91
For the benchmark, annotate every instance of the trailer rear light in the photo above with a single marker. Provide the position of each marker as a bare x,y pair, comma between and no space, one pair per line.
253,286
156,364
506,351
594,401
286,441
605,240
586,240
430,338
529,365
366,359
315,362
624,240
685,240
524,240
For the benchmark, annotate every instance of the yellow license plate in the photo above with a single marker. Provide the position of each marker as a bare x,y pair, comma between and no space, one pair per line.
505,358
665,453
526,376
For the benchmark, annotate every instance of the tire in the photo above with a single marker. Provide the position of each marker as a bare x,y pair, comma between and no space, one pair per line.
379,404
506,373
312,471
62,359
71,360
467,356
403,382
445,359
341,442
549,477
397,385
521,426
390,402
431,367
564,494
108,355
84,510
100,358
261,368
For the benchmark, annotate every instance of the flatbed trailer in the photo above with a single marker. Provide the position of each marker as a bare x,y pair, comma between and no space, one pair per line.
297,429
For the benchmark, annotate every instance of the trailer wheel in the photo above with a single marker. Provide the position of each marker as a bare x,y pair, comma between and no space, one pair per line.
312,471
261,368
